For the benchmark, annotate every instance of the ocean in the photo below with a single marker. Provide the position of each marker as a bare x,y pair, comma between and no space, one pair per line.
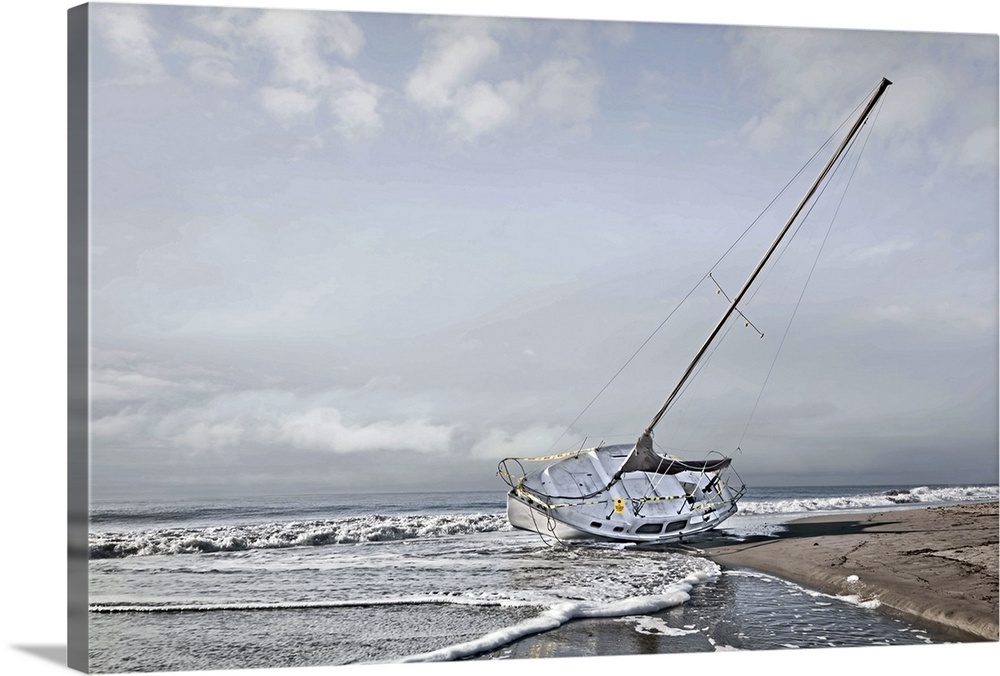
353,579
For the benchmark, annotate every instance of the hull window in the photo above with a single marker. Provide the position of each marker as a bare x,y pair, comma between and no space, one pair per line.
649,528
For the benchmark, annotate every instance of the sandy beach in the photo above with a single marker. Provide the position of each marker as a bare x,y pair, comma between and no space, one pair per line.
934,566
937,564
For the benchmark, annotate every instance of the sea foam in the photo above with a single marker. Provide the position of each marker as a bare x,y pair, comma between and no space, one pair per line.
346,531
922,495
561,613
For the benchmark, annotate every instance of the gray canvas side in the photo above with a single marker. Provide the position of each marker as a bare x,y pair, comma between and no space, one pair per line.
78,181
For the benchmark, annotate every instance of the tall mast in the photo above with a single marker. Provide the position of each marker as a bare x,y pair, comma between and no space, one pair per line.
883,85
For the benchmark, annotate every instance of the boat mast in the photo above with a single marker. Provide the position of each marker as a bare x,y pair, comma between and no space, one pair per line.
883,85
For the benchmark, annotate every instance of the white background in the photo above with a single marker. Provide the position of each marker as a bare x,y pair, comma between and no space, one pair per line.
32,266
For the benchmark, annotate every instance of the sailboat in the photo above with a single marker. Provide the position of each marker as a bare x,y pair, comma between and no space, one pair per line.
632,492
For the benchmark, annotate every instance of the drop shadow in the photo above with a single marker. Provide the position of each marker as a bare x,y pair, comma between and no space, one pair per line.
50,653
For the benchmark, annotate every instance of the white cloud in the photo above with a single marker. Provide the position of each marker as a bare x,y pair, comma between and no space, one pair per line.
450,64
811,79
141,403
564,89
125,32
354,102
293,41
120,376
215,72
223,24
111,384
533,441
122,425
324,429
465,78
203,436
289,106
482,108
301,36
302,47
294,62
207,63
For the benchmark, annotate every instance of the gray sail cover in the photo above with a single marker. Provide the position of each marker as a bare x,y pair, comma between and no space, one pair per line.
644,459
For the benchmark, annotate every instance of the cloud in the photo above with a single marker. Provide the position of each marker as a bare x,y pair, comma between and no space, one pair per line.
466,80
293,62
125,31
481,108
811,79
110,384
142,402
208,63
532,441
302,47
564,89
300,39
202,436
289,106
450,62
324,429
355,103
243,421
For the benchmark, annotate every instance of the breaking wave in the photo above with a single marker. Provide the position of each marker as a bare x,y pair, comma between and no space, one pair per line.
893,497
109,608
346,531
563,612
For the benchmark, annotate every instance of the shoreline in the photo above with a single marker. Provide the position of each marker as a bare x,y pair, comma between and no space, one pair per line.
937,565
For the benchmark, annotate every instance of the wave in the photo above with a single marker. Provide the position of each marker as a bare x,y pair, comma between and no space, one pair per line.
893,497
287,508
552,612
349,530
561,613
110,608
385,528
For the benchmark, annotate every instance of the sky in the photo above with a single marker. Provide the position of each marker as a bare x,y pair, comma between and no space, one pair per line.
346,252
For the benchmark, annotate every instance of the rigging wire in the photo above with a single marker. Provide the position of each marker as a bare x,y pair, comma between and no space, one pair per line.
795,310
699,283
784,249
706,276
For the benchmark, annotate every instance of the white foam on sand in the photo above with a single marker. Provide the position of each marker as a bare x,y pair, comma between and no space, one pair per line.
561,613
852,599
645,624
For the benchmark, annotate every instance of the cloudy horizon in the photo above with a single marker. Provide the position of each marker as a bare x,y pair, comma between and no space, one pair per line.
357,251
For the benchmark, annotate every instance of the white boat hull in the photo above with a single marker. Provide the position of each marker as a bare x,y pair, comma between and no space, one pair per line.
640,508
524,516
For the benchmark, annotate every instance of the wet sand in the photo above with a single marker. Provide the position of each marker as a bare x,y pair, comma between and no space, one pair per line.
935,564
